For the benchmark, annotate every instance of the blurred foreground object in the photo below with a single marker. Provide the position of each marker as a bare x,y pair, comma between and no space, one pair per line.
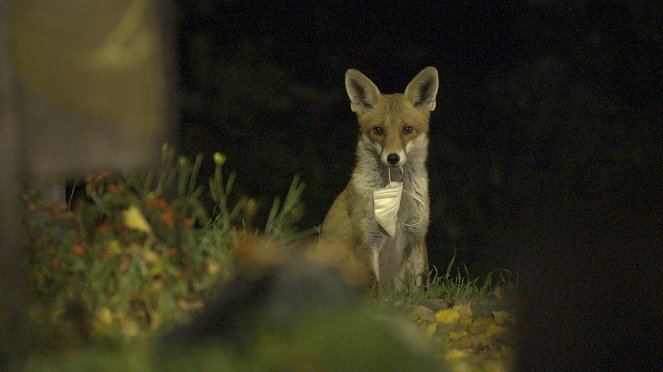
83,87
91,77
290,311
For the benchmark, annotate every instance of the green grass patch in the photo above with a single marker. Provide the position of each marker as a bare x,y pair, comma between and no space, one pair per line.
454,284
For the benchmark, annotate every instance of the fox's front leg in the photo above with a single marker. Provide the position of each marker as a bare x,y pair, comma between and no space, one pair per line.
417,264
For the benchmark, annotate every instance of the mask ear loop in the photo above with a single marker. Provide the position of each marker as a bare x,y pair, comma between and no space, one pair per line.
418,199
389,173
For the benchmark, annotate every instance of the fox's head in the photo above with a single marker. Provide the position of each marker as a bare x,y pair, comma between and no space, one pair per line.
396,124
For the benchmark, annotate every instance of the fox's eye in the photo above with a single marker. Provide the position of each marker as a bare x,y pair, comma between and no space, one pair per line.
407,130
378,130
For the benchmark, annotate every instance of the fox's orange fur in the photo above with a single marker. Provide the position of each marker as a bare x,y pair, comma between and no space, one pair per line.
393,139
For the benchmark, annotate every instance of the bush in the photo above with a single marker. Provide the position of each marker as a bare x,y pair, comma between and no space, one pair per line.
139,249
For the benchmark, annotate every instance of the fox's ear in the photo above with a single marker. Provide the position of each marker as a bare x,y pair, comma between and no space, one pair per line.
361,90
422,90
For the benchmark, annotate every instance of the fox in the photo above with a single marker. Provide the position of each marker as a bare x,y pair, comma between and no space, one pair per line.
391,153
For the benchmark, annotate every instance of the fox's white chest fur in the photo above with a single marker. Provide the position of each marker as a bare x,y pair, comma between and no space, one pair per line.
389,255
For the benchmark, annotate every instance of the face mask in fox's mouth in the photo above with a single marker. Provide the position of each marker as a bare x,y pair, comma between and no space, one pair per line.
387,202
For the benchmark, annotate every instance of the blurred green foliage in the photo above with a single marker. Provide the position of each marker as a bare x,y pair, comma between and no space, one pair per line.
139,250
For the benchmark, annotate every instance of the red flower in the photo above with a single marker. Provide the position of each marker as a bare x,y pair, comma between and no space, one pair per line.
173,252
113,189
78,250
32,206
167,218
157,202
108,255
188,222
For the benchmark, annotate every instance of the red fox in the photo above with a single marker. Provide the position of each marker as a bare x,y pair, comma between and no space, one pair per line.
381,218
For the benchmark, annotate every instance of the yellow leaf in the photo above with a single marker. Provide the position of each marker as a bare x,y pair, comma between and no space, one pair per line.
447,316
455,355
104,316
431,328
114,246
150,256
157,268
129,327
212,268
134,219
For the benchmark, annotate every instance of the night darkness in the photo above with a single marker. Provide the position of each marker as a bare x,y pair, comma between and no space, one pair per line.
538,101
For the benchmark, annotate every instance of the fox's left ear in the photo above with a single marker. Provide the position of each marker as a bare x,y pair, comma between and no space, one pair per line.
422,90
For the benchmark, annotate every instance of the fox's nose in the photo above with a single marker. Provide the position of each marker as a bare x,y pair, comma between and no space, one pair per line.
393,159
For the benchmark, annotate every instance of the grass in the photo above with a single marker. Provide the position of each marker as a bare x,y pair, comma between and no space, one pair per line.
453,285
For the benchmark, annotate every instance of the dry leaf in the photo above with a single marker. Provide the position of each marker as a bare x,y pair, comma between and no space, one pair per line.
133,218
447,316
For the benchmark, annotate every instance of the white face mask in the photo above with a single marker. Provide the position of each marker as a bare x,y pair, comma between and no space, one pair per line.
386,202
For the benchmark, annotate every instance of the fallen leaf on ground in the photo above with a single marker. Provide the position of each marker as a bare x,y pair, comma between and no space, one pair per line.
447,316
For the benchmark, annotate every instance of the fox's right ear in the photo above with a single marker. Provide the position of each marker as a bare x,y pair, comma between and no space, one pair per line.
361,90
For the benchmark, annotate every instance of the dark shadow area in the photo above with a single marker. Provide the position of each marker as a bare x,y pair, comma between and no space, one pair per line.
531,94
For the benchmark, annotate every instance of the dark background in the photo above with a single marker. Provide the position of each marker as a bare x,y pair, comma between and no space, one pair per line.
537,101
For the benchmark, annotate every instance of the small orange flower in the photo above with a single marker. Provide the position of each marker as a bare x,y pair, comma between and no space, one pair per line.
103,229
113,189
124,265
168,218
188,222
50,250
101,176
108,255
32,206
157,202
56,263
78,250
173,252
89,178
179,273
36,273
